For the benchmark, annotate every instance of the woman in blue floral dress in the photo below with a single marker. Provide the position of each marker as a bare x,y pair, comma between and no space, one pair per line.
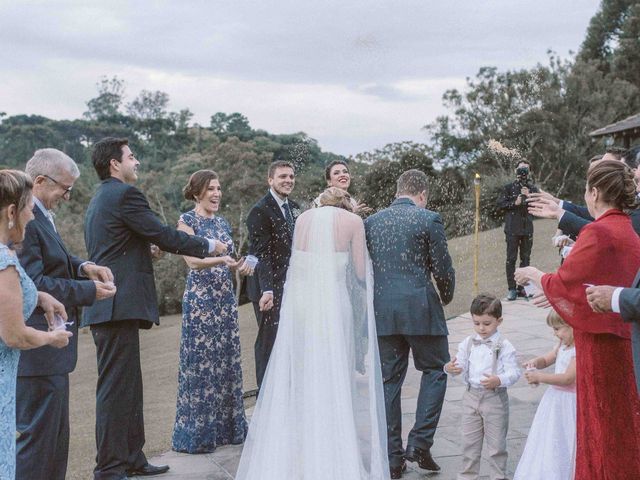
16,205
210,408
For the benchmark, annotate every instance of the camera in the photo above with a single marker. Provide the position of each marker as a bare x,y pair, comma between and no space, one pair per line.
522,173
522,176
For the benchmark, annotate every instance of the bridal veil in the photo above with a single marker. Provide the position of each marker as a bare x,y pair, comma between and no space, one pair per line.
320,413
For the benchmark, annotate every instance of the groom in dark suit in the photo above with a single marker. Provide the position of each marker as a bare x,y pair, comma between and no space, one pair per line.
270,224
119,230
42,391
408,247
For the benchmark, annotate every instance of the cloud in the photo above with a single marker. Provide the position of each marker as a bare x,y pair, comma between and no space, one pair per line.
355,75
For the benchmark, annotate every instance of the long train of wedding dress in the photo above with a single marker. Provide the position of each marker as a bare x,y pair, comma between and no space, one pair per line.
320,412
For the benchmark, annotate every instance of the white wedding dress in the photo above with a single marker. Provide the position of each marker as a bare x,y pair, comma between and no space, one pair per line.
320,413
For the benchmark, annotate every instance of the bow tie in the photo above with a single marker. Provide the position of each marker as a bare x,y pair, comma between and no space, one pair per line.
477,342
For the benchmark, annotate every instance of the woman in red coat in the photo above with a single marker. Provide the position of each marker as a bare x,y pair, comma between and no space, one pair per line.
607,252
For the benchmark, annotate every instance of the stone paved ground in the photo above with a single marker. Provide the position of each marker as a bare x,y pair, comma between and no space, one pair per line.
524,325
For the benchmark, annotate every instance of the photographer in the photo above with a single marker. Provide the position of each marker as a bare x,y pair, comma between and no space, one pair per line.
518,224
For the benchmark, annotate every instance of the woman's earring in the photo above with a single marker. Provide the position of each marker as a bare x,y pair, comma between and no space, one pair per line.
10,224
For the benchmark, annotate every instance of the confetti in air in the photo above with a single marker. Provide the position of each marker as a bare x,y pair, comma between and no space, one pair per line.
496,147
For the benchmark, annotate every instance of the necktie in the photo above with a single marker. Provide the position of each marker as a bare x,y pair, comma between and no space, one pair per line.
287,214
477,342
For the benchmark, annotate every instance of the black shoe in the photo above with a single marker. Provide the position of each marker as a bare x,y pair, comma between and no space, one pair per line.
147,470
396,472
512,295
423,457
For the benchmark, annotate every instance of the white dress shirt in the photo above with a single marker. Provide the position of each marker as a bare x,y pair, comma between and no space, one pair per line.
480,361
47,213
281,202
615,300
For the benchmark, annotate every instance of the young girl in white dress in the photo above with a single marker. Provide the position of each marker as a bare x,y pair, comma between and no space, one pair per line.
550,450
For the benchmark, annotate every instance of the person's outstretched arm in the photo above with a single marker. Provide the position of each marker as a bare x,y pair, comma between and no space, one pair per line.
138,216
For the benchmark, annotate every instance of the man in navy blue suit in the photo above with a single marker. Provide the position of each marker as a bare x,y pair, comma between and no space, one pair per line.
119,229
270,224
408,248
42,407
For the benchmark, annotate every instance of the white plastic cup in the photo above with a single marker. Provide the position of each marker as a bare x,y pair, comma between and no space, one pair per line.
251,260
530,289
59,323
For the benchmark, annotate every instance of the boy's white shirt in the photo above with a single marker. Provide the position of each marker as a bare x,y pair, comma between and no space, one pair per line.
481,361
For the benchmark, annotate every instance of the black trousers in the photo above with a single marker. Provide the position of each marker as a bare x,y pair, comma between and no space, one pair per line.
267,330
42,418
119,416
524,243
430,353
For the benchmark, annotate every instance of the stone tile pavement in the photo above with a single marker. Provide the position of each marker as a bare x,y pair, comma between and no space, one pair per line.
524,325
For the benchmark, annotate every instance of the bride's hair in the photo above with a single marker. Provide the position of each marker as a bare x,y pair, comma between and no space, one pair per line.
336,197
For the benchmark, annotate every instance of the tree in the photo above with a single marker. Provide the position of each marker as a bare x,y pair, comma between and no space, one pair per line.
234,124
149,105
109,100
626,58
603,33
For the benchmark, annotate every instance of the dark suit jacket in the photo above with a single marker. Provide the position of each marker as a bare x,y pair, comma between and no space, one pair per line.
408,246
630,311
54,270
270,240
119,227
517,219
575,217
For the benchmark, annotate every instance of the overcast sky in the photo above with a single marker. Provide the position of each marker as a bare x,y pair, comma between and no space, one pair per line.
355,75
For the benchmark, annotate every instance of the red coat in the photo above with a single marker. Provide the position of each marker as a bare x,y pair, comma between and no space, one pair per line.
607,252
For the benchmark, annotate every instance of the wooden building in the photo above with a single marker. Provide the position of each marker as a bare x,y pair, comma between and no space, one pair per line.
625,131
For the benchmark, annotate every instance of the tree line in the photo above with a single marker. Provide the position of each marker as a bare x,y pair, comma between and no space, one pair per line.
544,113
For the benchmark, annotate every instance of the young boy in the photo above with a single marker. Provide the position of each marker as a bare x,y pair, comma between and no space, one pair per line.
488,364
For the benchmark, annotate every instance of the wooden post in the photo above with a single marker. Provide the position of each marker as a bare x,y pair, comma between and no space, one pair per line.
476,253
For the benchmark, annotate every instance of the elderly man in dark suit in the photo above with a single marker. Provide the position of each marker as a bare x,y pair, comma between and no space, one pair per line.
120,228
42,402
408,247
270,224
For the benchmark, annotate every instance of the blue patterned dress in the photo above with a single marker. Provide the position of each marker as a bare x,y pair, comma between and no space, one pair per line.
9,370
210,409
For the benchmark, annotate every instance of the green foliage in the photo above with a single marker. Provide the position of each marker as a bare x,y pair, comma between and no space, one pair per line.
545,113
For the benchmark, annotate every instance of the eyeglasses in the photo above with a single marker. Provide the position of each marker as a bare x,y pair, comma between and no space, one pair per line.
67,190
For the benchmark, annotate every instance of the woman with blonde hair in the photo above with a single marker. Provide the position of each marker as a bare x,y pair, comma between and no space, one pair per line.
18,299
549,453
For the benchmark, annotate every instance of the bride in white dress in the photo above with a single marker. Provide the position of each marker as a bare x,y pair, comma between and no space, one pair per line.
320,413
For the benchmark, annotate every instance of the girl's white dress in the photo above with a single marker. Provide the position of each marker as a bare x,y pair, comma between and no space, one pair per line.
550,450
